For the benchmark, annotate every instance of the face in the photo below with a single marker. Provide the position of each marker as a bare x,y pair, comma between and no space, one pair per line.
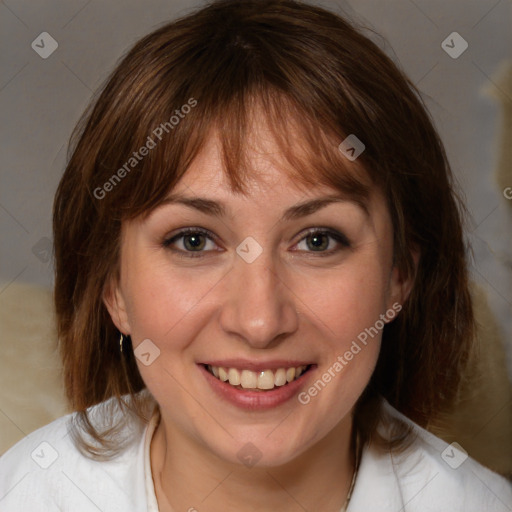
257,291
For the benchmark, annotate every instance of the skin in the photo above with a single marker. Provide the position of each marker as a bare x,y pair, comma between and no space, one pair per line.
289,303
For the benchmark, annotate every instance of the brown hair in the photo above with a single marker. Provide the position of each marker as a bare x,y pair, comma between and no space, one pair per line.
303,67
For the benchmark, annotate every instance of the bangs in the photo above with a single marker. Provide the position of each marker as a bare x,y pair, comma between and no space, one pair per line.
234,80
307,153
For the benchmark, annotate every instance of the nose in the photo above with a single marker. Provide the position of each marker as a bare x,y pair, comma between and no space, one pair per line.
259,307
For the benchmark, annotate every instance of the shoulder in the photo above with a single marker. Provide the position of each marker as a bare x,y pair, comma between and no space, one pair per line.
429,475
46,471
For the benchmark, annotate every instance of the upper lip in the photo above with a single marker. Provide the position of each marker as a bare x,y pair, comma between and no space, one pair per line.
256,366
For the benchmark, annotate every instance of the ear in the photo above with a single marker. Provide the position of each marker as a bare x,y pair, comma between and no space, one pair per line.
400,287
116,305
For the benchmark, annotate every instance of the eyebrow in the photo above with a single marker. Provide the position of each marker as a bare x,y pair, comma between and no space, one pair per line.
218,209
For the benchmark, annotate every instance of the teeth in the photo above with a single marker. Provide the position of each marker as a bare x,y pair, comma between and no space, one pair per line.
280,377
266,380
247,379
234,376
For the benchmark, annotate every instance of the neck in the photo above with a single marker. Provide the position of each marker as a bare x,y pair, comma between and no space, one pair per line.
188,478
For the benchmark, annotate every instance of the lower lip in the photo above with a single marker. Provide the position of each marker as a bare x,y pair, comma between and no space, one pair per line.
256,400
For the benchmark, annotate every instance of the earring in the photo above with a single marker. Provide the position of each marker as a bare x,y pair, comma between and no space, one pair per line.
121,341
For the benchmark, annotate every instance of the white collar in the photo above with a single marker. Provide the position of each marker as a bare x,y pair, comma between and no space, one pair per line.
375,469
148,476
395,481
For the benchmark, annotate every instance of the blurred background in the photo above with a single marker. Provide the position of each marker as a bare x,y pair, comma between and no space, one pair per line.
55,54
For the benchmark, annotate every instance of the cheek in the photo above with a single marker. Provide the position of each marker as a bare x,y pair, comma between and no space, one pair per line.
346,300
161,299
350,349
346,307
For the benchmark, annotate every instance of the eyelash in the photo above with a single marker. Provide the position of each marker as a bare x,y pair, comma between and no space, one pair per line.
335,235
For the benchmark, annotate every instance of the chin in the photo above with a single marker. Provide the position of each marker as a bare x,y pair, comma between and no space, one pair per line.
260,447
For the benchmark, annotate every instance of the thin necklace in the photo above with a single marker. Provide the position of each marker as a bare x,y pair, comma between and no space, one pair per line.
354,475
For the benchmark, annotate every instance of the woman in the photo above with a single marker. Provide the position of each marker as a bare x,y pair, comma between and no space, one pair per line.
261,287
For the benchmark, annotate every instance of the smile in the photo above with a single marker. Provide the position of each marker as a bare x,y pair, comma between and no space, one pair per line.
257,385
264,380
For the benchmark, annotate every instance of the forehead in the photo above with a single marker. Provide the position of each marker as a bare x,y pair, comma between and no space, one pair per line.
264,167
271,148
266,170
269,185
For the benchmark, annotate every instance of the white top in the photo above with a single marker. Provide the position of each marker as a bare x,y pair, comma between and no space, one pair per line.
46,472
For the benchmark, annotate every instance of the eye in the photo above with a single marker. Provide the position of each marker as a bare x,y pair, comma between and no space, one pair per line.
191,240
194,242
321,240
